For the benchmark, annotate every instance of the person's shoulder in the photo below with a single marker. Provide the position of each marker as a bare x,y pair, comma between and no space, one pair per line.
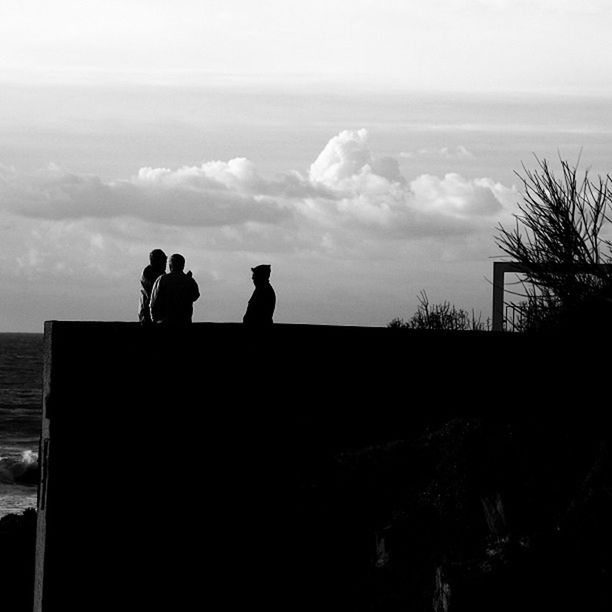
183,278
162,279
189,281
151,274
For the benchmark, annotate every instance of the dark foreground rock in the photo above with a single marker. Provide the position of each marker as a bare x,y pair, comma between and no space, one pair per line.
470,514
473,515
310,468
17,548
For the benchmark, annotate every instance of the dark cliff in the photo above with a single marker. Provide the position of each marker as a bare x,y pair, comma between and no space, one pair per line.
320,467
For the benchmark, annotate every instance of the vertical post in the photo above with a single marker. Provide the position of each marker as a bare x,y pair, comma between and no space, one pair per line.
43,460
499,269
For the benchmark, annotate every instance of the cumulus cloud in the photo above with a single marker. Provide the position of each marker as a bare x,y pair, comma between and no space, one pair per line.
454,195
347,163
68,234
374,194
347,187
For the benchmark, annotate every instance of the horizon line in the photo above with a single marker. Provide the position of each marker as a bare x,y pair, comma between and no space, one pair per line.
289,83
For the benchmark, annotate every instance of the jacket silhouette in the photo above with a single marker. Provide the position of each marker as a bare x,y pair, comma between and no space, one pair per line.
173,295
150,274
260,308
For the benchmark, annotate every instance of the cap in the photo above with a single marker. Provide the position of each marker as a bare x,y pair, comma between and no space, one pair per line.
262,270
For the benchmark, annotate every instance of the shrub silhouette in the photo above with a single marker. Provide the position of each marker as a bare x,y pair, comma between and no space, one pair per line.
441,317
558,240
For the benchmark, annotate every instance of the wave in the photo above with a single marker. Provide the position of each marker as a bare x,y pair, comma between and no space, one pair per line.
20,470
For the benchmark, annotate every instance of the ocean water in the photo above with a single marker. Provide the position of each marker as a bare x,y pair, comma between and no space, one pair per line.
20,419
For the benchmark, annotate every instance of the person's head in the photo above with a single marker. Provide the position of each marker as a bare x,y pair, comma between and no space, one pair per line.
176,263
261,273
157,259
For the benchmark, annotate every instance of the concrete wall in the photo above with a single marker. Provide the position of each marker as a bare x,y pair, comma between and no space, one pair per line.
176,464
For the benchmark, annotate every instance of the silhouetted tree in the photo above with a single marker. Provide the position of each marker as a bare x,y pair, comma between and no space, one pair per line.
558,239
441,317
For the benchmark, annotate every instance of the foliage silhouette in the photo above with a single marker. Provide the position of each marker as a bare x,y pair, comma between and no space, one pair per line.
558,239
441,317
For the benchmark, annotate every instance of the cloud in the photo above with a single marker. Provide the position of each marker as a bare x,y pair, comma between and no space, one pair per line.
74,245
213,194
347,163
375,195
459,153
456,196
347,189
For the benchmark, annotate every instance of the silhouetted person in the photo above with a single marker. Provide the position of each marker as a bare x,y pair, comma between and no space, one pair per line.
263,301
156,267
174,294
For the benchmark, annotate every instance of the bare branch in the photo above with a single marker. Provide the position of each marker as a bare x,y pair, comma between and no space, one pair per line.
557,234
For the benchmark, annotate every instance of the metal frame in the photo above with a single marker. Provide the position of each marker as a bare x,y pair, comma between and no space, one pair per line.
501,268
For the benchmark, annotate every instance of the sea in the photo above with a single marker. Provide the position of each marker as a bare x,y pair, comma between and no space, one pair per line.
21,365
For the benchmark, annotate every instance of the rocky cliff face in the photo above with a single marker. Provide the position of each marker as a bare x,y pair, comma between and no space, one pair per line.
17,551
470,514
338,468
475,514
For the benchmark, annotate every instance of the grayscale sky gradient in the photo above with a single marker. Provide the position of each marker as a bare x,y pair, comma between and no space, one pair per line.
364,149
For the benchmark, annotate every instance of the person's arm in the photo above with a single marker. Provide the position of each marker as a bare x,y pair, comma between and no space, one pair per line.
147,281
248,315
272,303
156,304
196,290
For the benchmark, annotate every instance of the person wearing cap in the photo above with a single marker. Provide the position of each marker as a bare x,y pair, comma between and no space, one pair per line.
173,294
263,301
156,267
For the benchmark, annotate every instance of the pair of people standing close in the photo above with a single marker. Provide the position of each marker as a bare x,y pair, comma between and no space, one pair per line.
168,298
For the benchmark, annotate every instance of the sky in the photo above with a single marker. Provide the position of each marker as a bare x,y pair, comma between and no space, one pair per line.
366,150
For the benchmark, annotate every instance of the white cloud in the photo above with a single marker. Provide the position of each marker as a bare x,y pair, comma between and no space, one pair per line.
74,245
347,163
375,194
216,193
459,152
349,197
454,195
